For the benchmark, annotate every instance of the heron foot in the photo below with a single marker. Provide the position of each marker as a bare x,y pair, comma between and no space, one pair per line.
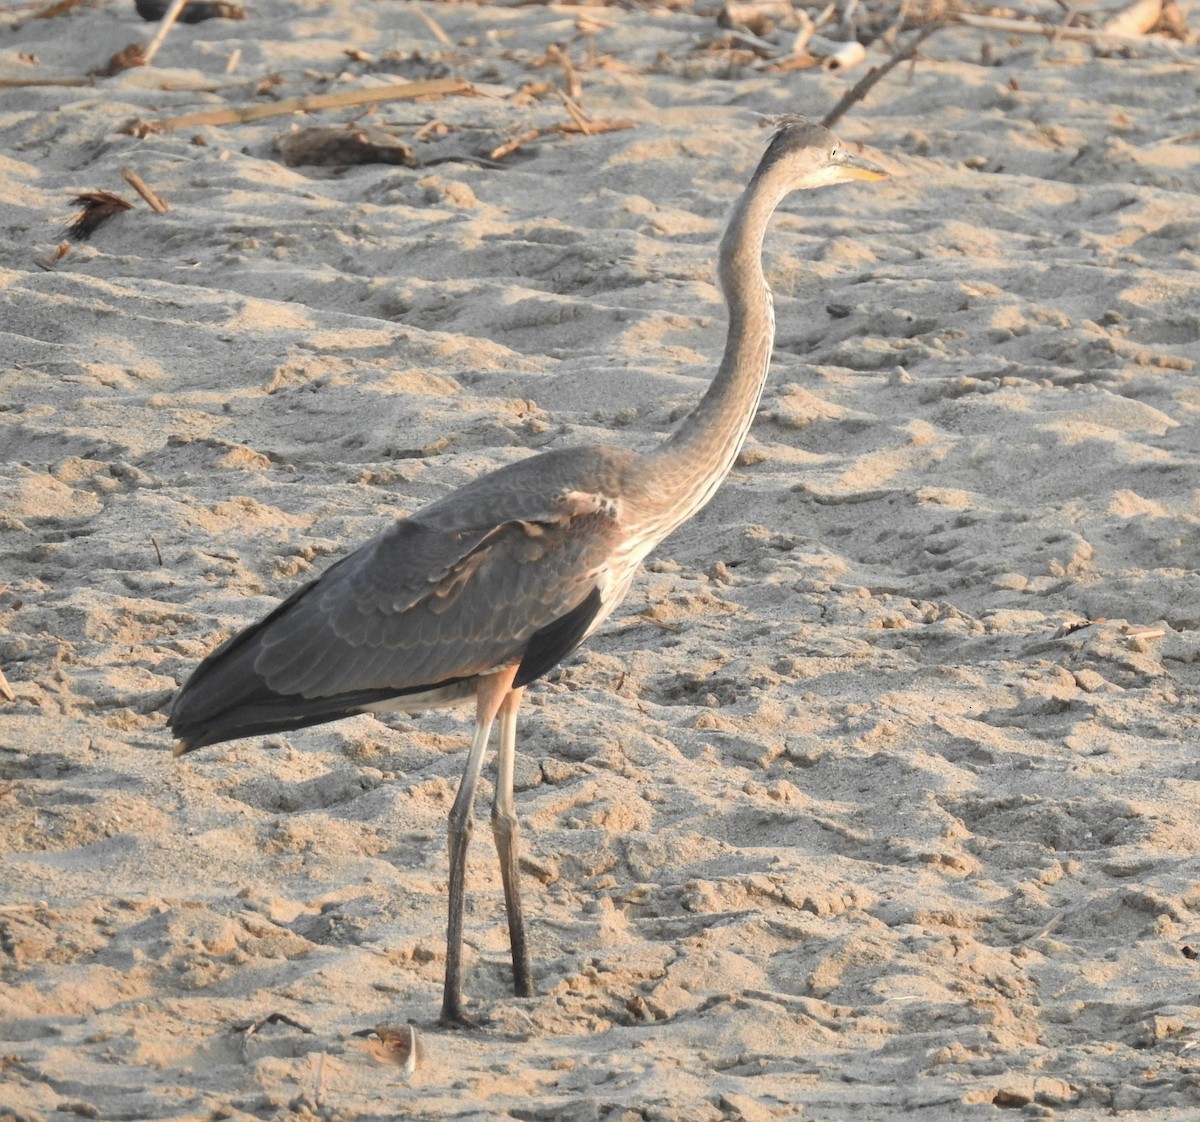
453,1017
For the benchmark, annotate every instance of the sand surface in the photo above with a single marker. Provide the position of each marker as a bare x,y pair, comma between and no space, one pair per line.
880,795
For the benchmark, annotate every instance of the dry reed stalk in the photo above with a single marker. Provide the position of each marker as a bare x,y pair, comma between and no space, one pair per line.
16,83
435,87
168,21
512,144
574,83
863,86
1097,36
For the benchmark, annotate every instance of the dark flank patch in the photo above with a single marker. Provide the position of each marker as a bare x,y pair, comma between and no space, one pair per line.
548,647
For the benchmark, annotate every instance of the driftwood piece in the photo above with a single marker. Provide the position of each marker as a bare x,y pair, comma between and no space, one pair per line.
743,11
341,145
1134,19
1095,35
434,87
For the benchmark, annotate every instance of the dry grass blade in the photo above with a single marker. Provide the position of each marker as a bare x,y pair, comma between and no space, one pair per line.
436,87
98,208
867,82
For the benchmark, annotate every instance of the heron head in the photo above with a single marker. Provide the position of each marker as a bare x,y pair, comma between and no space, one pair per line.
811,156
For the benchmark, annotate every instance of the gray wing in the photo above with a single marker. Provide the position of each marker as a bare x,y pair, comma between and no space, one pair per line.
456,590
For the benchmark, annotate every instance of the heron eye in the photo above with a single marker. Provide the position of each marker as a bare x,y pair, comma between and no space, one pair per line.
833,153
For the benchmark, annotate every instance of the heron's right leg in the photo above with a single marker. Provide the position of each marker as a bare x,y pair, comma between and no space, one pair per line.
506,830
490,694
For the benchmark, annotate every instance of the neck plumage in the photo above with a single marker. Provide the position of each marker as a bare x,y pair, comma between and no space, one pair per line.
690,464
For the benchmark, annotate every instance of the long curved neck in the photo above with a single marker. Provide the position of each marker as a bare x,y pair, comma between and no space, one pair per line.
691,463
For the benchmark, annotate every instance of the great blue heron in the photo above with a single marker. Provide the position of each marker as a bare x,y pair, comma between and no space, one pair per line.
485,590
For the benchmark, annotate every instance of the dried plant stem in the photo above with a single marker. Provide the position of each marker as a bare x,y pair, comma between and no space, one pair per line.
863,86
153,199
1098,36
244,114
168,21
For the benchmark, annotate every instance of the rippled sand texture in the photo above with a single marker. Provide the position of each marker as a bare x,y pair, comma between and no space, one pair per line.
838,816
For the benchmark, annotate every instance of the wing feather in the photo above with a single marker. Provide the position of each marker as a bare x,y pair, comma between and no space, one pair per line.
422,603
514,568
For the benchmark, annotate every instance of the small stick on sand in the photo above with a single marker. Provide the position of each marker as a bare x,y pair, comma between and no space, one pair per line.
319,1083
439,32
510,146
577,115
17,83
153,199
1099,37
593,128
863,86
168,21
436,87
574,84
6,689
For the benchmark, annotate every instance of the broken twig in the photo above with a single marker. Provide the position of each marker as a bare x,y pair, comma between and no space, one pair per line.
168,21
436,87
153,199
863,86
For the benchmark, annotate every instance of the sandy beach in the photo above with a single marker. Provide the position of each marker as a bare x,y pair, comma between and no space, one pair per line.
878,798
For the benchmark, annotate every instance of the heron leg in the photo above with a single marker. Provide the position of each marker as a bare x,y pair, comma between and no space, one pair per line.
507,834
489,696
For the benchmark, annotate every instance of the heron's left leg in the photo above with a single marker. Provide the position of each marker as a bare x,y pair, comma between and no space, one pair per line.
506,831
491,691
